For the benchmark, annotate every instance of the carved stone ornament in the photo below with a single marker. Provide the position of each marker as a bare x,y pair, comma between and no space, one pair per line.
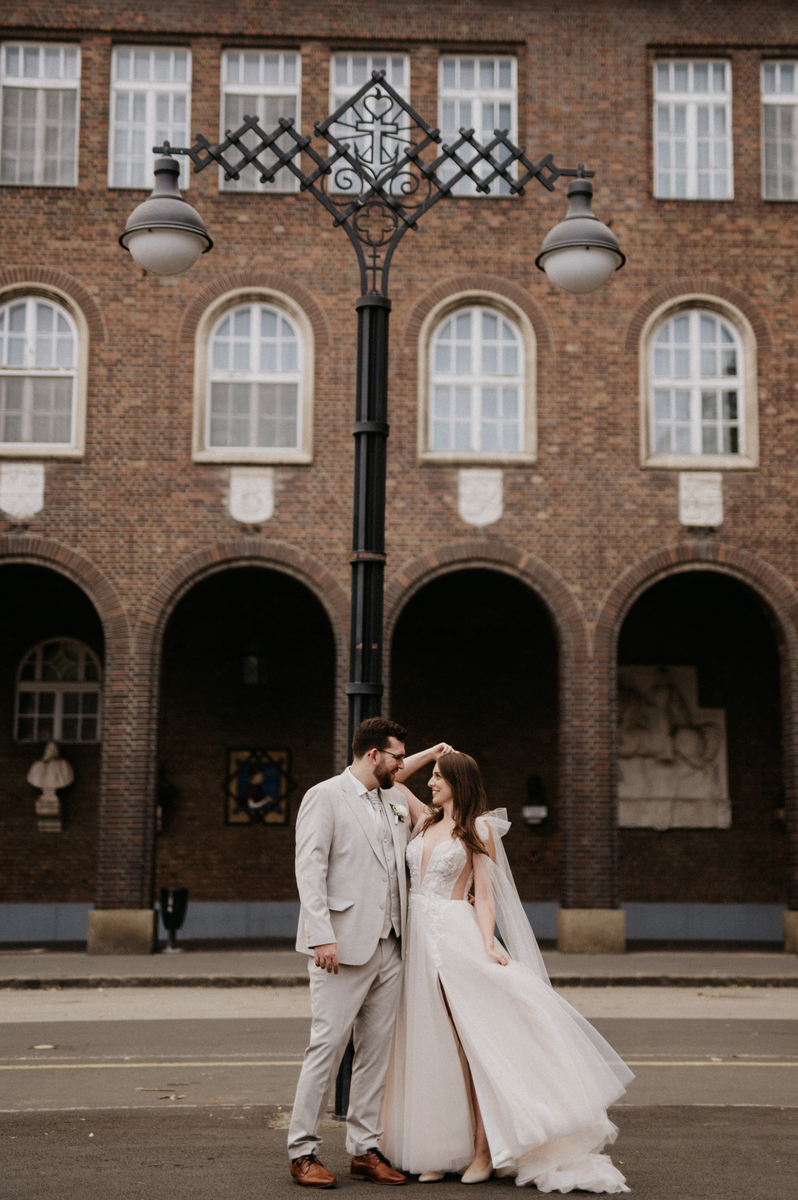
480,496
672,770
701,499
50,773
251,498
21,489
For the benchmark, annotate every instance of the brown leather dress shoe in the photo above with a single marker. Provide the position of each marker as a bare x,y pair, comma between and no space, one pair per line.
374,1165
308,1171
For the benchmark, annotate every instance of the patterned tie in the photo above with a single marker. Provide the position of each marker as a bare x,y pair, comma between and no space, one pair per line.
376,804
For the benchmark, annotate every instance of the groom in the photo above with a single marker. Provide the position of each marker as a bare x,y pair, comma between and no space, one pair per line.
351,836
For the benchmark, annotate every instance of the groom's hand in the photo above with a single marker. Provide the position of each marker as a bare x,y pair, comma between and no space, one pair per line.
326,957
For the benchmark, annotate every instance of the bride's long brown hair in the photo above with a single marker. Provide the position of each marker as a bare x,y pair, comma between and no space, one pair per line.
462,775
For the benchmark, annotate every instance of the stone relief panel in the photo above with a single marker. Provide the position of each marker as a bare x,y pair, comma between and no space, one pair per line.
701,499
21,489
480,495
251,496
671,754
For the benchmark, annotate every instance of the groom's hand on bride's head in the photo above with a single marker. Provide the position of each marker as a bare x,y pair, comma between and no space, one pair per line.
326,957
441,749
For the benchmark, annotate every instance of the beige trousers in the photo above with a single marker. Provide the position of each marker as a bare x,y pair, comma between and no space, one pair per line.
368,998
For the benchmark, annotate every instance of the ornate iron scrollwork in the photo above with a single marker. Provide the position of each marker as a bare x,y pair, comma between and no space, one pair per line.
385,168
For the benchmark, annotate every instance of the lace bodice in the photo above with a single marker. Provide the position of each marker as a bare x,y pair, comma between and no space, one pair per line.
444,867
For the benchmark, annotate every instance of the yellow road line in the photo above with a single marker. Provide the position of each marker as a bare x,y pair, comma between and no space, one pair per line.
159,1066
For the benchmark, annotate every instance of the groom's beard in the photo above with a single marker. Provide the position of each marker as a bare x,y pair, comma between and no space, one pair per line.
384,778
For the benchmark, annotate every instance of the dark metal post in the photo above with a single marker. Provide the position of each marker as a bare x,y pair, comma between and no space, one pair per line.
368,518
368,551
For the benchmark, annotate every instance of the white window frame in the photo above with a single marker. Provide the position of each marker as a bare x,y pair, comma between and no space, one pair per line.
76,447
202,452
691,101
149,88
773,96
512,312
41,84
59,688
748,459
340,92
477,95
285,182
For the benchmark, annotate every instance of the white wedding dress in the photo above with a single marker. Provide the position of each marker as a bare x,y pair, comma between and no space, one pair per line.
543,1076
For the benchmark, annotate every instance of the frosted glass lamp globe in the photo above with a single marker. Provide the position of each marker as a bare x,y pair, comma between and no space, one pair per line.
580,269
165,251
580,254
165,234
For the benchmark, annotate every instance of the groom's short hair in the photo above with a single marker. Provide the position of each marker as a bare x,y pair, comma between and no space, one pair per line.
374,734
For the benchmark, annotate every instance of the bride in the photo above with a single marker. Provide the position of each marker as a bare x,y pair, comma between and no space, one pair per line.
491,1069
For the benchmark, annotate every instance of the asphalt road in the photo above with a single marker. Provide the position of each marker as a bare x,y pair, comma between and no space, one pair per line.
205,1153
188,1095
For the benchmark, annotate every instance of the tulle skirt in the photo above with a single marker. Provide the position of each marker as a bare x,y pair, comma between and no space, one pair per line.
543,1076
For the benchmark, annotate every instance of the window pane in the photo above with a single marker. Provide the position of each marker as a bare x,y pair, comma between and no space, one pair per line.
69,729
696,416
692,146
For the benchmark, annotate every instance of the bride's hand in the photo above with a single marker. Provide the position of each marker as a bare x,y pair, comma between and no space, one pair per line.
497,957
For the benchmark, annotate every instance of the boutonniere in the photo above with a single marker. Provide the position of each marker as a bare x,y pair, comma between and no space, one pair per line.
399,813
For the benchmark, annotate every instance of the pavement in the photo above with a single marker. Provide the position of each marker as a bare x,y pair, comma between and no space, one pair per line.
37,968
177,1077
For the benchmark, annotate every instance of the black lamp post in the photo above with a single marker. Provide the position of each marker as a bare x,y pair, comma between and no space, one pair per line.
390,171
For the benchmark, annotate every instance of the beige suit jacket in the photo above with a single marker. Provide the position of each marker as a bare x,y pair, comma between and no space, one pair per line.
341,870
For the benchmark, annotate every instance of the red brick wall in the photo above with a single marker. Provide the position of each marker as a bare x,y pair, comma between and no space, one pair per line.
136,512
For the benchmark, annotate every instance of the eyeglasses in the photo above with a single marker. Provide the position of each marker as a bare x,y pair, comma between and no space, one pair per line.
400,758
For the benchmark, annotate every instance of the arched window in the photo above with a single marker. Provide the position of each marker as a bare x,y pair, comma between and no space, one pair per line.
58,693
697,386
476,384
38,375
254,380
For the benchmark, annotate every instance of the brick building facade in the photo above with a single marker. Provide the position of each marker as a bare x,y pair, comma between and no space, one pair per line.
529,555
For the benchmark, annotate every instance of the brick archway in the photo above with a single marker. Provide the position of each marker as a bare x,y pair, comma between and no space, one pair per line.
579,888
781,599
49,277
274,280
148,640
117,822
698,285
478,281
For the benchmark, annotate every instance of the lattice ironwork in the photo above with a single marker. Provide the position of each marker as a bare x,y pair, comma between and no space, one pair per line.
385,168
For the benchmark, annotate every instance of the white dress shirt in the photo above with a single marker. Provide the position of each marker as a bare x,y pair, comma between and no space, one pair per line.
366,795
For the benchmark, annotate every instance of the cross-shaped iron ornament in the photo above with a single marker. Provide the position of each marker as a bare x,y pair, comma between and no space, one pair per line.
386,169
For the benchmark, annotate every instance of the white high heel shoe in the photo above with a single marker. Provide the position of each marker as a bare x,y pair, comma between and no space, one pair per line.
431,1177
470,1176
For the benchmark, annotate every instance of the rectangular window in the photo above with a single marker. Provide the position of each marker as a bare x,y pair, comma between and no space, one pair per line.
257,415
38,411
70,715
478,94
39,84
375,143
779,131
692,131
150,105
265,85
